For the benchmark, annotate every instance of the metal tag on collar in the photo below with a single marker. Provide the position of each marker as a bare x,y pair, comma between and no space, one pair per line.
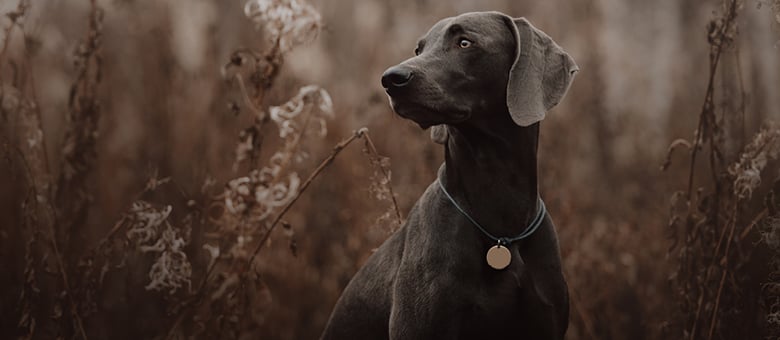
498,256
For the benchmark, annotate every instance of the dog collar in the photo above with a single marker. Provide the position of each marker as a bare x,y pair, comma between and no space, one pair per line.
499,256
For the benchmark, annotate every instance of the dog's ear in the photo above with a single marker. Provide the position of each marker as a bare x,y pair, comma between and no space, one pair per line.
540,75
439,133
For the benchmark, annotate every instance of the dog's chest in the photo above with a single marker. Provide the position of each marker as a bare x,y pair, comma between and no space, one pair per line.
502,302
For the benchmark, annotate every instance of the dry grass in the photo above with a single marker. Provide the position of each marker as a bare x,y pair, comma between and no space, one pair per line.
145,174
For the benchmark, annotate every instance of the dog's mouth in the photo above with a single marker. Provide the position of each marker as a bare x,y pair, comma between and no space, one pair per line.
427,115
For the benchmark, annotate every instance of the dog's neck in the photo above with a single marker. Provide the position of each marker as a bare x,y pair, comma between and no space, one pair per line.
493,175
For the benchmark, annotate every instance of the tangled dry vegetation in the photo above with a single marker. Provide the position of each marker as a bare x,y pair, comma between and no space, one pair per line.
197,249
712,220
229,296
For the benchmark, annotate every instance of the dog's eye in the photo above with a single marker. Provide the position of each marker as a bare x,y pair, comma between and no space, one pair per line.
417,51
464,43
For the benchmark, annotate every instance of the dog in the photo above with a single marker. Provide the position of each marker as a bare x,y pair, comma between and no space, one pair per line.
482,82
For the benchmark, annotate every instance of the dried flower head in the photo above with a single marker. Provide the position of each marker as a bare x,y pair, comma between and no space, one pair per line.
149,229
144,222
291,22
764,147
380,178
258,194
773,319
770,232
172,270
308,97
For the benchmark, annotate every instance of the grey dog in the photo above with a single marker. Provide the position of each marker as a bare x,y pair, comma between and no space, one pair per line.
482,81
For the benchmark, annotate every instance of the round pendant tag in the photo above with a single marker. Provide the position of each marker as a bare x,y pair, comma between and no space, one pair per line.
498,257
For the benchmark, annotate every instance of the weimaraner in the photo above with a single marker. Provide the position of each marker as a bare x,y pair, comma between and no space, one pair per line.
478,256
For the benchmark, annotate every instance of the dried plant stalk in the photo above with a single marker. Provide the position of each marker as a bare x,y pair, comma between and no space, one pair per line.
709,222
78,152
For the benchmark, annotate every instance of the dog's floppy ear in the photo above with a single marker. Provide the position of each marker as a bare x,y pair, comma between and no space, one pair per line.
439,133
540,75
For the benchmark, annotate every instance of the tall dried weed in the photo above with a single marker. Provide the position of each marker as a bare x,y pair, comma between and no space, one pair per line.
712,219
227,299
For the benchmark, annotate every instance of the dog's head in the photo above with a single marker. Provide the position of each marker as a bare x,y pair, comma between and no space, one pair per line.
479,64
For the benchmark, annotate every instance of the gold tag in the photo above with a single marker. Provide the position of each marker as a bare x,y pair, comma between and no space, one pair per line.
498,257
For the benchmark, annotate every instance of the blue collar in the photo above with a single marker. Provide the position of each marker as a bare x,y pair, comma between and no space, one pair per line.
503,241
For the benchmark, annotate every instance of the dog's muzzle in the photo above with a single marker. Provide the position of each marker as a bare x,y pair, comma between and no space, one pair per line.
396,78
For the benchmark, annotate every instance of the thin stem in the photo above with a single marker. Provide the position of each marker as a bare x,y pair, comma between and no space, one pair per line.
386,173
708,271
51,213
742,97
714,318
707,106
763,214
61,265
705,115
324,164
245,95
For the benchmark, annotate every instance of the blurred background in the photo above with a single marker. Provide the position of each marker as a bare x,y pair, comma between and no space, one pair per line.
166,110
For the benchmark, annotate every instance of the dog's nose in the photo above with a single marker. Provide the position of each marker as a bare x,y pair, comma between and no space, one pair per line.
396,77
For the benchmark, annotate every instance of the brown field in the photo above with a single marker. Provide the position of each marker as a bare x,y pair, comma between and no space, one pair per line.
146,191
